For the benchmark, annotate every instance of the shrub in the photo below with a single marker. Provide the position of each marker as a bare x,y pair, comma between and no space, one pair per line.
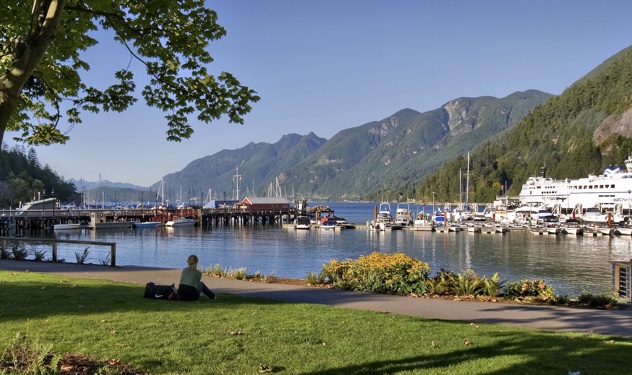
319,279
602,301
28,357
39,255
468,283
379,273
534,290
82,257
19,253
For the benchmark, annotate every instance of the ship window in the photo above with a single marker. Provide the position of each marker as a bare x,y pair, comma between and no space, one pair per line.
600,186
612,186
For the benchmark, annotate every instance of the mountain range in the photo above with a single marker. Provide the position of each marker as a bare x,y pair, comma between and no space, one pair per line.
417,155
405,146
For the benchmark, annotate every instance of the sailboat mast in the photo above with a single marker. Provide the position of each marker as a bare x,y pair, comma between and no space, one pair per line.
467,183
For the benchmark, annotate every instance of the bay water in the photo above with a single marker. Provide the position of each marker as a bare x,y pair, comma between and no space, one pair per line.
572,265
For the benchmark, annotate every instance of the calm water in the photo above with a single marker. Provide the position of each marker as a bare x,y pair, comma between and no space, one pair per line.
571,264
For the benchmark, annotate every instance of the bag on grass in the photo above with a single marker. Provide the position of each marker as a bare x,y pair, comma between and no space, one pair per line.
160,291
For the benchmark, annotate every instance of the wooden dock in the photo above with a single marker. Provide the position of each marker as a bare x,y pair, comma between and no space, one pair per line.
15,221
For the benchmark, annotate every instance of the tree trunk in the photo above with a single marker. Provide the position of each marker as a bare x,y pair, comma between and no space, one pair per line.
28,55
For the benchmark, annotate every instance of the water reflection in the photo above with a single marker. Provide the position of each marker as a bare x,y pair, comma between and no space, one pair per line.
570,264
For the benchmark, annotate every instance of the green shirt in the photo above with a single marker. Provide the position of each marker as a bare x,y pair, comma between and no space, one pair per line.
190,277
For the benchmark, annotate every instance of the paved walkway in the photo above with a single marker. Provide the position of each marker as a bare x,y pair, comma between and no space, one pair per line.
618,323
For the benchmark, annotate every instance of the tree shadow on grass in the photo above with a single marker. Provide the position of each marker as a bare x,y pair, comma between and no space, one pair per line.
513,353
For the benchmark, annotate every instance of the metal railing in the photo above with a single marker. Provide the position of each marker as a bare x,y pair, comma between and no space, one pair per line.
54,242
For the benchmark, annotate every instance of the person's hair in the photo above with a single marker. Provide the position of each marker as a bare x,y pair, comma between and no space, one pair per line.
192,260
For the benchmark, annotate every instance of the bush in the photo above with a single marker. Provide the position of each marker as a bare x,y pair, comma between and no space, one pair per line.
468,283
25,356
379,273
534,290
603,301
19,253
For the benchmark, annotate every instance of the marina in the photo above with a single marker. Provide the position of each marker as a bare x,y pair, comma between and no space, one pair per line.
570,263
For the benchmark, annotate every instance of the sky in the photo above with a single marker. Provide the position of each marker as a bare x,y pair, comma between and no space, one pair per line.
323,66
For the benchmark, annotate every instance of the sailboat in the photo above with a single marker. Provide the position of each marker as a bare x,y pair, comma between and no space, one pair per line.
464,211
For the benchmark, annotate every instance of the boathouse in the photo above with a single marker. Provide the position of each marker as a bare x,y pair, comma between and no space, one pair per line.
265,203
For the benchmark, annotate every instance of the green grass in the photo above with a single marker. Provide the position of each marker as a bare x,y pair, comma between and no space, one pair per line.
234,335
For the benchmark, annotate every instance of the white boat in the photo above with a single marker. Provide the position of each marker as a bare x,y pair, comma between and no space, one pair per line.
573,229
611,188
422,224
303,222
67,226
553,229
403,215
439,218
328,225
606,231
623,231
181,222
474,228
145,224
384,220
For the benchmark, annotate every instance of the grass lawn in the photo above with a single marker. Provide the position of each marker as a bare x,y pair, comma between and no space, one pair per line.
235,335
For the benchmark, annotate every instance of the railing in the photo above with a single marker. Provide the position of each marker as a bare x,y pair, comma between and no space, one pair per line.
54,242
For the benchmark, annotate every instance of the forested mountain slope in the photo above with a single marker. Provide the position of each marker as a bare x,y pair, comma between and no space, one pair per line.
579,132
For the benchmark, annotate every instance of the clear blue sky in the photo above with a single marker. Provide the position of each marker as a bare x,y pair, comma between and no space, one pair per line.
323,66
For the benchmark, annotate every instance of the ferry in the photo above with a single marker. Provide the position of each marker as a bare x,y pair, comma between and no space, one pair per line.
608,191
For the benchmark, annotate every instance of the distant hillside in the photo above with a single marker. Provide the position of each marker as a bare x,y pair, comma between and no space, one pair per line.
587,127
402,149
259,165
397,151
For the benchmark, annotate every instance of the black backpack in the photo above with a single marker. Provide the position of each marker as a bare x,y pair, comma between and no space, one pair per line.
160,291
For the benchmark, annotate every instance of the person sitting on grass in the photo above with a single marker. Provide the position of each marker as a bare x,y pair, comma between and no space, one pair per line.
191,285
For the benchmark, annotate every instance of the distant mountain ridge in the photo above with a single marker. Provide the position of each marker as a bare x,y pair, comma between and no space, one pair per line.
587,127
405,147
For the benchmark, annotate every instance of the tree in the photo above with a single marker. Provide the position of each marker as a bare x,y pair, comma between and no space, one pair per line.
41,47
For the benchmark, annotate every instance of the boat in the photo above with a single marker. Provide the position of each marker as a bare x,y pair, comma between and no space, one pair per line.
67,226
553,229
422,224
384,220
611,188
474,228
606,231
328,225
572,228
181,222
303,222
623,231
111,225
145,224
439,218
342,223
403,215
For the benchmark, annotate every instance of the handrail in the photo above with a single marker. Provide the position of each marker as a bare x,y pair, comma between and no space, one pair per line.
54,241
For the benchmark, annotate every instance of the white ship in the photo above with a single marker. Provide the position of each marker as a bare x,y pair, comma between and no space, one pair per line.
610,191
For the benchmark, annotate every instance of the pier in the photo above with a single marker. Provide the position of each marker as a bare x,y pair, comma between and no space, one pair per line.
16,221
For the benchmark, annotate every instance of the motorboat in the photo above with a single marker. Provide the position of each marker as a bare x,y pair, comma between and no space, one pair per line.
403,215
181,222
303,222
145,224
384,220
328,225
67,226
422,224
553,229
342,223
624,231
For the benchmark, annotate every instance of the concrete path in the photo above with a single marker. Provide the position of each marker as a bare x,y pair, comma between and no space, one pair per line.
617,323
